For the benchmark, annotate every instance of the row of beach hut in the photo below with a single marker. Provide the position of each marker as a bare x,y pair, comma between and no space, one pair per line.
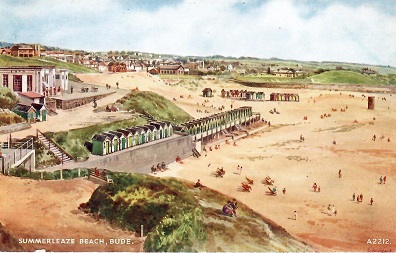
113,141
284,97
243,94
220,121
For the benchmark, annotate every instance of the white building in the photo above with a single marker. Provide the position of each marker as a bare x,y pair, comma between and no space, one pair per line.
37,79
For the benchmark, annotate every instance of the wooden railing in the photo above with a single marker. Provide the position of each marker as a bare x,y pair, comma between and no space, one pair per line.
51,142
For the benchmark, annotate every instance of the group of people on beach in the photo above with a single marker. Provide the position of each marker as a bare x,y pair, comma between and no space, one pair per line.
359,198
331,210
160,167
230,208
382,137
315,187
382,179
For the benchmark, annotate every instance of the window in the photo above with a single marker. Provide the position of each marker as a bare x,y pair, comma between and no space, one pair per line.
29,83
57,76
17,83
5,80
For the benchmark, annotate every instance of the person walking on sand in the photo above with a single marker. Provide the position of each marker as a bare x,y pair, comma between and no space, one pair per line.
381,179
329,209
384,179
371,201
358,199
240,171
353,197
339,174
333,209
284,190
361,198
295,215
318,188
314,187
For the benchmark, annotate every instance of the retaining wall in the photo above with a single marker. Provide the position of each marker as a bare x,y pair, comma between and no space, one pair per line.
140,159
14,128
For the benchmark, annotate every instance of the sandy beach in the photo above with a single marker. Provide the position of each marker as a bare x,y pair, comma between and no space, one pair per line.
296,165
278,152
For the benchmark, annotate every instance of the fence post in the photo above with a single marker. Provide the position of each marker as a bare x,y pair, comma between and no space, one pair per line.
141,231
79,172
61,174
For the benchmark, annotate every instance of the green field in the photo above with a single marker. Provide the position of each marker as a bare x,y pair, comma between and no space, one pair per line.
270,79
343,77
156,105
9,61
73,140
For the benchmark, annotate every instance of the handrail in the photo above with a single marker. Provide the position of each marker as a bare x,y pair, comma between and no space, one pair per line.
55,144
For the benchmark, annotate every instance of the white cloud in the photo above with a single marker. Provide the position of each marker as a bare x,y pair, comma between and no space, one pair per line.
283,29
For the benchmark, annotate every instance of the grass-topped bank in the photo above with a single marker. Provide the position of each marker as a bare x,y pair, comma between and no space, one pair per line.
8,61
147,102
178,217
73,141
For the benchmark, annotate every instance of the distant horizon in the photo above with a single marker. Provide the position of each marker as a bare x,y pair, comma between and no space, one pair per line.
208,56
350,31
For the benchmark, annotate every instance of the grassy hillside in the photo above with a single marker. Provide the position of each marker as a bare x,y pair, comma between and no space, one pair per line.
8,61
8,99
73,140
178,217
154,104
343,77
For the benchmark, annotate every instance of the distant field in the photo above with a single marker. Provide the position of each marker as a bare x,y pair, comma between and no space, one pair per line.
270,79
343,77
8,61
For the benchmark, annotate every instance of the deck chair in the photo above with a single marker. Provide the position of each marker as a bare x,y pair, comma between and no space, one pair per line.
271,191
250,181
246,187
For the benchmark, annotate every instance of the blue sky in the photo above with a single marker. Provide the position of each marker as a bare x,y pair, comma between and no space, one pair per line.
351,31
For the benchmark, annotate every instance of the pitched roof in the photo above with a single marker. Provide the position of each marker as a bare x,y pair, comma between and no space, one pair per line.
31,94
23,108
110,135
99,137
118,134
171,67
124,131
38,107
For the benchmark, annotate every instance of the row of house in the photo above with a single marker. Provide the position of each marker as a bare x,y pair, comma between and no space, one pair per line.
284,97
113,141
243,94
288,72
